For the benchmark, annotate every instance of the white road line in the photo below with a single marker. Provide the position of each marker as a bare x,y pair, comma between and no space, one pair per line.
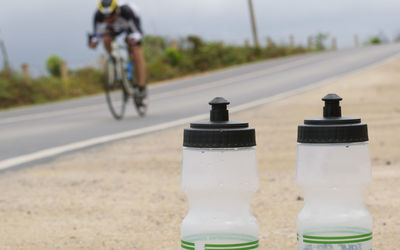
11,162
154,97
91,142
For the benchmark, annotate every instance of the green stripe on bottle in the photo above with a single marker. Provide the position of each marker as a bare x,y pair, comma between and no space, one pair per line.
186,247
232,245
220,241
238,246
187,243
337,237
339,231
336,242
230,248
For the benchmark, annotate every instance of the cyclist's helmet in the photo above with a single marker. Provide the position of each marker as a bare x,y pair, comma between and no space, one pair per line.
108,7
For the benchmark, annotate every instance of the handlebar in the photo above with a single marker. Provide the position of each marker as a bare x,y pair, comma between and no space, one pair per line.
99,36
92,35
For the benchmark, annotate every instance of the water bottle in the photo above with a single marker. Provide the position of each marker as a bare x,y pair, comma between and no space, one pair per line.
219,177
333,171
129,70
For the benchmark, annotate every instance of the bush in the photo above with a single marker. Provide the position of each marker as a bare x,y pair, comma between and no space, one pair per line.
375,40
319,41
195,43
174,56
159,70
53,65
16,90
195,55
153,47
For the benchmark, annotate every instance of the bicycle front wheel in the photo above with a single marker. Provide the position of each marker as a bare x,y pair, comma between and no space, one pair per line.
116,95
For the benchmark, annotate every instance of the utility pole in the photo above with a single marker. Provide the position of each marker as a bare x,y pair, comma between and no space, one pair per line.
253,23
5,56
25,70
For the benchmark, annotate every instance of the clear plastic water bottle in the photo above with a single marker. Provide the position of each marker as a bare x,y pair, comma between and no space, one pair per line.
333,171
219,177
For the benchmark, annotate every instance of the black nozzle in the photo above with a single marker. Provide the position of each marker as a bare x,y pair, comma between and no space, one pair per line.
332,106
332,128
219,111
219,132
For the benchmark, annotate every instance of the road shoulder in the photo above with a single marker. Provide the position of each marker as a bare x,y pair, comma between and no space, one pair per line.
126,195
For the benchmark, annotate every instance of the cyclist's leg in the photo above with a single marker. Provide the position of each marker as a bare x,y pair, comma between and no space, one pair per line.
136,53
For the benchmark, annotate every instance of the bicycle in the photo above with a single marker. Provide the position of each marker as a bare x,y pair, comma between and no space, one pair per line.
119,84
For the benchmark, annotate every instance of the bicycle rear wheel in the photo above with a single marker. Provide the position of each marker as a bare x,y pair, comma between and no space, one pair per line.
116,95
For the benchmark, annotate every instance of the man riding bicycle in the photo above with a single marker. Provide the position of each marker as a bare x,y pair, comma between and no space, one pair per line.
111,20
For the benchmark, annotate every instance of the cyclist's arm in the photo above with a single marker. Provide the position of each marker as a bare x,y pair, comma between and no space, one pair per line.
98,30
135,30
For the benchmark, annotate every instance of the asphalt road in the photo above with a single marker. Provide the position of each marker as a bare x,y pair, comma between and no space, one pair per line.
38,132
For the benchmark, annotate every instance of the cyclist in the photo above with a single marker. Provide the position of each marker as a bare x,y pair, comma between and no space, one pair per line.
111,20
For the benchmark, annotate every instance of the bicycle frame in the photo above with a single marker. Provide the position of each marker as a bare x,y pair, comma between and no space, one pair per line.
120,66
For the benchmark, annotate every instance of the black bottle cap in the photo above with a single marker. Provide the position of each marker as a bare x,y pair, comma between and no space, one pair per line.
219,132
332,128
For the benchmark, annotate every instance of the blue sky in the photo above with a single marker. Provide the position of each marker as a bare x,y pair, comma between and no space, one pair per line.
32,30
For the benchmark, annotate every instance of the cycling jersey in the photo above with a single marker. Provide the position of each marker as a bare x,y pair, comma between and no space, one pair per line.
128,21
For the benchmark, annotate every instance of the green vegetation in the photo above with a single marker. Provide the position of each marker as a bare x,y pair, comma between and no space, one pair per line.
53,65
375,40
16,90
318,41
193,55
165,60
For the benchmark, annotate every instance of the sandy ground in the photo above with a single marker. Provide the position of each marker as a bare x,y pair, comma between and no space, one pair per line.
126,195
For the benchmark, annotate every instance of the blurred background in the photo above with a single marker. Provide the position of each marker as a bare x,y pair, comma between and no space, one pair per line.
32,30
45,41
